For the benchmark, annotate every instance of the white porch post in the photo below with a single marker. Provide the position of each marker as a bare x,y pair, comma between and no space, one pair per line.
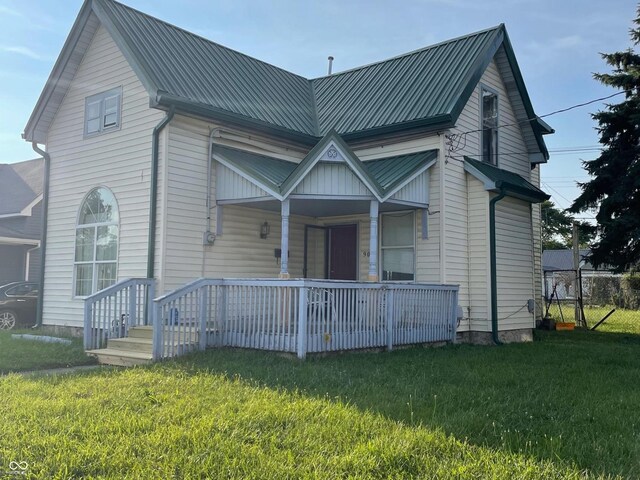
373,241
284,241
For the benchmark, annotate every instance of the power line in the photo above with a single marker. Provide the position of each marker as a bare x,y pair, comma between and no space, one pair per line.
555,112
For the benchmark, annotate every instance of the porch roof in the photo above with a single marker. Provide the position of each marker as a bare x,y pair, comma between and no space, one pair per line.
385,174
496,178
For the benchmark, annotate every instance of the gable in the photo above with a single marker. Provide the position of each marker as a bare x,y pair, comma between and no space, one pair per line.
331,168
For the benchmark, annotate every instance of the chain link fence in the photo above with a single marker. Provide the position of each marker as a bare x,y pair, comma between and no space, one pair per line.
585,298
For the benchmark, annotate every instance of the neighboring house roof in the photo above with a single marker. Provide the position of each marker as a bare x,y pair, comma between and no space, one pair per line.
280,177
562,260
425,88
20,187
496,179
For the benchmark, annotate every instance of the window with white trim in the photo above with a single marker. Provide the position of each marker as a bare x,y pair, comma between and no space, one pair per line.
96,252
102,112
397,247
489,126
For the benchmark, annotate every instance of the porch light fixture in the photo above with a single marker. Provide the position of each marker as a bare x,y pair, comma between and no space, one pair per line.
265,229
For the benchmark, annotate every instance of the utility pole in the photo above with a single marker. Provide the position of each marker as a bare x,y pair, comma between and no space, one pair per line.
576,283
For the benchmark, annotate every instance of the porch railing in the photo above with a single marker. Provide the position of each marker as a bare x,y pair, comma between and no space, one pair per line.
301,316
110,313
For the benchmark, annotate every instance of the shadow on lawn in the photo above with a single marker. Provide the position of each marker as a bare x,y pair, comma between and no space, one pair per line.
567,396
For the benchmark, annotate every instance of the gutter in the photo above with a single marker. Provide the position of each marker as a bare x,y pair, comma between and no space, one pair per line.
43,238
492,254
153,195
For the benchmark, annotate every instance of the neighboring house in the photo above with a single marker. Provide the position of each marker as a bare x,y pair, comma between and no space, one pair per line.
20,220
173,157
559,271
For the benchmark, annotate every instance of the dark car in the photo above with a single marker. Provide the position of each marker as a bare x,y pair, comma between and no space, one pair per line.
18,303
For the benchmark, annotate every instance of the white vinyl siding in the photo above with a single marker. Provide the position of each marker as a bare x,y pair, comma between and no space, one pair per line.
231,186
479,257
515,269
120,160
332,179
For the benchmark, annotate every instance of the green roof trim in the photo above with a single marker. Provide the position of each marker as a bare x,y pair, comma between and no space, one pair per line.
280,177
496,179
309,161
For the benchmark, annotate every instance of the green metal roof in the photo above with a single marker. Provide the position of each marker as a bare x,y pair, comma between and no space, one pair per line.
391,171
281,176
425,88
425,84
268,170
496,179
183,65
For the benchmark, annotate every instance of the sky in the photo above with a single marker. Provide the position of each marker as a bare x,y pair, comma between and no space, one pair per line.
556,42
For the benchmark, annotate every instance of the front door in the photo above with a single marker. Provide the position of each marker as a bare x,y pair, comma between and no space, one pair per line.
343,252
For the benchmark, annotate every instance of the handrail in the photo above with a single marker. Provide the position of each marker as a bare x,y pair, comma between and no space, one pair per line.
280,314
110,312
105,292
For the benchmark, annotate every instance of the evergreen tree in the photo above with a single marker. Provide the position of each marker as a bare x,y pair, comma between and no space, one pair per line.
614,191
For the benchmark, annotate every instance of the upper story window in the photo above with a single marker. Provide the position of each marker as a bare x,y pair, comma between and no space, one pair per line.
102,112
489,126
96,256
398,246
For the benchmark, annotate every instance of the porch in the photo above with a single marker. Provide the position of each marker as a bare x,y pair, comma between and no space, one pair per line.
298,316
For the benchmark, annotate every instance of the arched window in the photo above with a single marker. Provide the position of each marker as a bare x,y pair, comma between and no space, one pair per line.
96,257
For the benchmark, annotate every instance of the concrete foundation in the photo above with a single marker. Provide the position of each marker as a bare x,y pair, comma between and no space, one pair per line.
505,336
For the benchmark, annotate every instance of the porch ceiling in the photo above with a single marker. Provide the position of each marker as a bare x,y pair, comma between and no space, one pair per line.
325,208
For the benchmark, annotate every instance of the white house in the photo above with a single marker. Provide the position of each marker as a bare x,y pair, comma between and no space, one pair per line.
172,157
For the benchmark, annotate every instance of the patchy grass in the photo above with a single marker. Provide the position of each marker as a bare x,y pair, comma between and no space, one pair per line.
19,354
562,407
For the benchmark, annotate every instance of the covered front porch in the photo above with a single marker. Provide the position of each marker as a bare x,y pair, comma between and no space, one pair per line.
358,220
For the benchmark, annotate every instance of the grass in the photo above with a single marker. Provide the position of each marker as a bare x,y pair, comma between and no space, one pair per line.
19,354
621,321
562,407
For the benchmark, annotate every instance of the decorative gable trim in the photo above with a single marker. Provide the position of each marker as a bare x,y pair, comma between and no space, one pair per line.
331,143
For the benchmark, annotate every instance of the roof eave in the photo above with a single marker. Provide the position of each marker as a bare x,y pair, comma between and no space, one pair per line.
521,193
438,122
165,100
56,72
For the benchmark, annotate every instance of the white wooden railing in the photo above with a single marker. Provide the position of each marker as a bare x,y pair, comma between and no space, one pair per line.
301,316
110,313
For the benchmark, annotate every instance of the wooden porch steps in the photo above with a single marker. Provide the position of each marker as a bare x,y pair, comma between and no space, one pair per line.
129,351
136,349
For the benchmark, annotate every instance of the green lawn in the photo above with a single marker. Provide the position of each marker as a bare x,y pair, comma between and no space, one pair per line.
20,354
565,406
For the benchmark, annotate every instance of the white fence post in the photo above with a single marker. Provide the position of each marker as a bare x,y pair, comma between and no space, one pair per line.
133,303
302,322
88,326
204,314
158,341
222,315
390,319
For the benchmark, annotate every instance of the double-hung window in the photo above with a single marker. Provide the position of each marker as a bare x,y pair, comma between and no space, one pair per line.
398,246
96,252
102,112
489,126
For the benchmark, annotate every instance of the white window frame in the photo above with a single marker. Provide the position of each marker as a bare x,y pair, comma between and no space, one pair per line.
495,140
94,262
100,100
382,248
